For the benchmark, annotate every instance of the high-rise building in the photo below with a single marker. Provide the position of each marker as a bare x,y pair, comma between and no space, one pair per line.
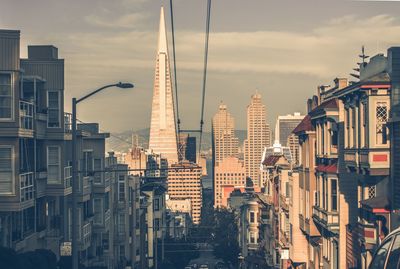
285,126
229,173
293,144
225,144
184,182
163,139
187,147
258,137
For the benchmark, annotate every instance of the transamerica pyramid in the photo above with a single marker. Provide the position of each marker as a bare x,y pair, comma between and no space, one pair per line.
163,139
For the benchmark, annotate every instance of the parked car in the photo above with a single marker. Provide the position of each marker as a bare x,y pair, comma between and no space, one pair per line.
387,256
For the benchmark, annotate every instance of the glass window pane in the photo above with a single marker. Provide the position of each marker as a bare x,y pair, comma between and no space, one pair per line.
394,256
378,261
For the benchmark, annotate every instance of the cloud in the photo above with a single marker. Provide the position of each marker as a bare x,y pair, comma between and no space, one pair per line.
237,60
127,21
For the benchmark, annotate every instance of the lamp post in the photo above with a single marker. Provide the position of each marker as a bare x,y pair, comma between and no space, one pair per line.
75,259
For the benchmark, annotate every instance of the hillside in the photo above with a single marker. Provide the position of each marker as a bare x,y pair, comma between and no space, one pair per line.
122,141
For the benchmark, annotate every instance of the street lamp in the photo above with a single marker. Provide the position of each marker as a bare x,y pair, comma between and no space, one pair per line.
75,260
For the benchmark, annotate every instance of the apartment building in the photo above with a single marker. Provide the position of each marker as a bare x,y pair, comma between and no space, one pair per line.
36,175
307,188
155,225
366,159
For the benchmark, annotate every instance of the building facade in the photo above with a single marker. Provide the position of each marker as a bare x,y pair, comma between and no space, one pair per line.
258,137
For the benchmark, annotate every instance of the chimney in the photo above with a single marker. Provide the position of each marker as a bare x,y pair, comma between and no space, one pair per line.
341,83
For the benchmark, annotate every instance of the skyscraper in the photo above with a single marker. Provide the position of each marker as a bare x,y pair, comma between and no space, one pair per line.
163,138
258,137
285,126
225,144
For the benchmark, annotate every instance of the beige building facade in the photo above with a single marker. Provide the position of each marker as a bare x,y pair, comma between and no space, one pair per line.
258,137
184,182
229,173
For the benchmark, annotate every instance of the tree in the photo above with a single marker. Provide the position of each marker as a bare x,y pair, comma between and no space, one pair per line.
226,245
179,252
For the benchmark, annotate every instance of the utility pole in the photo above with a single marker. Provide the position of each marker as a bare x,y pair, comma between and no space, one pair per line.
75,185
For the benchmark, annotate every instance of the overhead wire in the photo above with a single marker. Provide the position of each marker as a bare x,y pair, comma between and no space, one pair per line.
205,71
178,120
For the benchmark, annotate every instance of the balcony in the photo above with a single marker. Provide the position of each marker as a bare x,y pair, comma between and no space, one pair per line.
85,235
68,177
328,220
27,188
26,111
351,158
87,186
377,162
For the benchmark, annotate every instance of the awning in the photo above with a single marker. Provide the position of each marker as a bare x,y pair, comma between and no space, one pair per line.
380,204
331,168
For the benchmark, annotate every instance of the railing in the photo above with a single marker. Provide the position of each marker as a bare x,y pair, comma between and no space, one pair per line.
26,110
107,218
86,185
27,187
67,176
67,122
330,219
87,232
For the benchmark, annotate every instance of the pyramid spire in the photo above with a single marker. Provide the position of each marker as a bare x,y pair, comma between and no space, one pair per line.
163,137
162,34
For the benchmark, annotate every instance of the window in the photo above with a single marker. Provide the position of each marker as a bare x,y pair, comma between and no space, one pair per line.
156,204
53,165
252,238
307,204
98,210
6,170
87,163
6,97
97,168
252,217
156,224
121,191
301,202
381,119
394,256
380,256
371,191
334,194
53,109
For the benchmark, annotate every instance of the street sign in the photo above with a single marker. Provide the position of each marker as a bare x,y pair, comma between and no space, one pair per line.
66,249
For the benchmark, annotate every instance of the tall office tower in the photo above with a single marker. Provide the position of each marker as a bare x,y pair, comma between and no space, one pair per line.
258,137
187,147
163,138
285,126
229,173
225,144
184,182
294,146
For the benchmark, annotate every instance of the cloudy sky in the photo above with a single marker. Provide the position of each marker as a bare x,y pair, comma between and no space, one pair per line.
283,49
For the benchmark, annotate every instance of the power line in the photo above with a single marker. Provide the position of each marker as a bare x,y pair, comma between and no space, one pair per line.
175,74
205,71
